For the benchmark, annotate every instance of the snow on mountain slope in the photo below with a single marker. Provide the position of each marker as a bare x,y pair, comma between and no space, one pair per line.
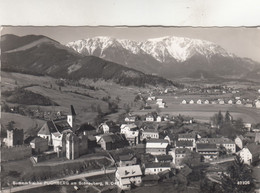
162,49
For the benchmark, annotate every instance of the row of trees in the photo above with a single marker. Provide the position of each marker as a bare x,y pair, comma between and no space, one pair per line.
227,126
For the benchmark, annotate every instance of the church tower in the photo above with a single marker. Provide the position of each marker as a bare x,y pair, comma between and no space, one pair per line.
71,117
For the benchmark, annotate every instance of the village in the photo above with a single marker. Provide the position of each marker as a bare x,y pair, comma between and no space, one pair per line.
141,150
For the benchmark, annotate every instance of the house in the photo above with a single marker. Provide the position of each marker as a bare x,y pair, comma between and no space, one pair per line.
157,146
240,141
39,145
161,105
250,153
163,158
103,127
184,102
248,126
238,102
191,102
199,102
257,103
207,150
127,160
188,137
150,134
159,101
180,154
221,101
230,102
149,118
131,118
155,168
158,119
131,132
127,176
229,145
86,129
185,144
206,102
111,141
213,102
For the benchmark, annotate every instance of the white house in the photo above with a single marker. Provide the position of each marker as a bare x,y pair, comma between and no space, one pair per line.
158,119
221,102
161,105
150,134
199,102
155,168
257,103
184,102
149,118
188,137
230,102
250,153
159,101
131,133
206,102
127,175
157,146
239,102
191,101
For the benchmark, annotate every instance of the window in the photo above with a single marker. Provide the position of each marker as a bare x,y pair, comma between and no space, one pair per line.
155,170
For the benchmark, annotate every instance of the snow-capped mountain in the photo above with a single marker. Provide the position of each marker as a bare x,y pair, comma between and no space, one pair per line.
167,56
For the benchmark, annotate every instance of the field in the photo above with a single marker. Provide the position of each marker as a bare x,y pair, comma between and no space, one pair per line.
82,98
203,112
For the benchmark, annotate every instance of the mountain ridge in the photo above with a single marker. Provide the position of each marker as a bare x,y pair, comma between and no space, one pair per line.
166,56
29,55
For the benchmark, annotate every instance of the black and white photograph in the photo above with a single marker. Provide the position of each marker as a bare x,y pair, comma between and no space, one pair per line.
130,108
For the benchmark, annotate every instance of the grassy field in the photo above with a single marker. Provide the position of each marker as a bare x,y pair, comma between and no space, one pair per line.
204,112
21,122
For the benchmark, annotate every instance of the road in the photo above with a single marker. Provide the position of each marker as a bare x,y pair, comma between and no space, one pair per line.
56,181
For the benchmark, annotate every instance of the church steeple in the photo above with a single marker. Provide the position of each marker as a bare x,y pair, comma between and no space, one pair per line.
71,116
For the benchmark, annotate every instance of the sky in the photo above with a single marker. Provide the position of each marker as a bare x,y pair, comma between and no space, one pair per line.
242,41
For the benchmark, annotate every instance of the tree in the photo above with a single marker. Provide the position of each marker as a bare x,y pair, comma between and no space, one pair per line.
238,177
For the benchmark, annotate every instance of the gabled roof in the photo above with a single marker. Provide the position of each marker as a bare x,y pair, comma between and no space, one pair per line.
129,171
206,147
254,149
181,151
85,127
38,139
221,140
164,157
150,131
187,135
54,126
113,138
158,165
126,157
184,143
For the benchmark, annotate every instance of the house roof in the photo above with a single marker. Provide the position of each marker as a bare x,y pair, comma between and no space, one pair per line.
129,171
157,141
207,146
126,157
187,135
164,157
158,165
85,127
181,151
150,131
254,149
38,139
221,140
113,138
184,143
